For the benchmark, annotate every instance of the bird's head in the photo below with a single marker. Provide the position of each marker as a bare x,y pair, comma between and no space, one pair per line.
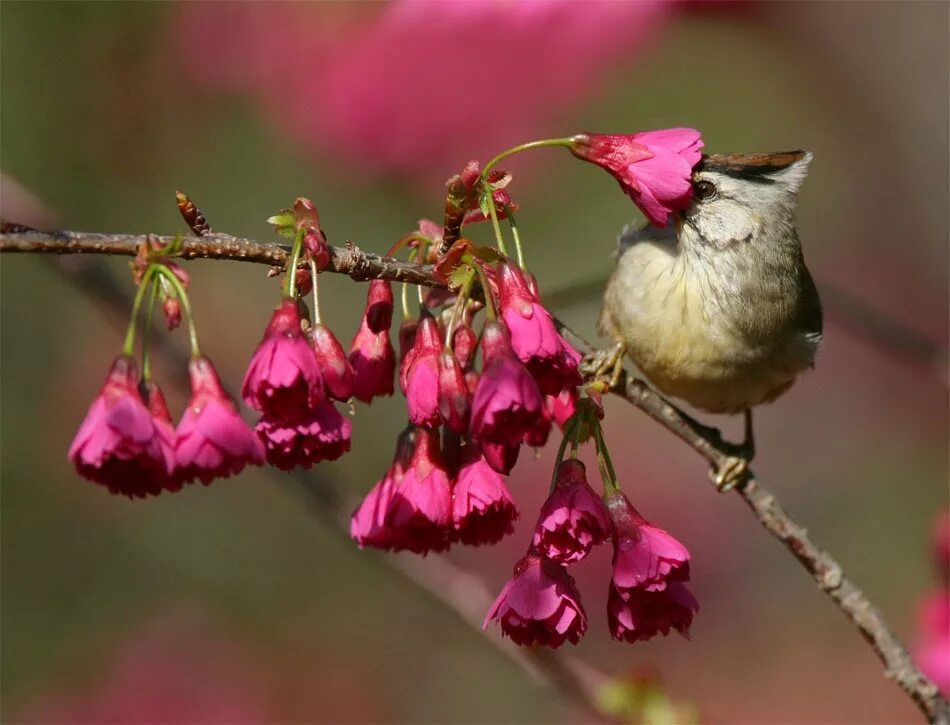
740,199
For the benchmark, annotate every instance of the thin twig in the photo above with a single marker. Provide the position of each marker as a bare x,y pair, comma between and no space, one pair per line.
824,569
348,260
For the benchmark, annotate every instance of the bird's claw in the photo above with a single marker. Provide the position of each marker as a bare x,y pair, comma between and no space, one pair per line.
604,366
729,473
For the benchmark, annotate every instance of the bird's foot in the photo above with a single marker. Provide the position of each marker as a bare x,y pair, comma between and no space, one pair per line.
729,473
735,466
604,366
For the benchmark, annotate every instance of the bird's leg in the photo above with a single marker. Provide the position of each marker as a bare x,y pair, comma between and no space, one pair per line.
605,365
749,443
734,468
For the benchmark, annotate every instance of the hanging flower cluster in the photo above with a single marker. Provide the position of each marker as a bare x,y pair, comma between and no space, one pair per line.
127,442
484,370
647,595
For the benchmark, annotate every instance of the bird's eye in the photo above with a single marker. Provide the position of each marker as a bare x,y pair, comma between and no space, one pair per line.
704,190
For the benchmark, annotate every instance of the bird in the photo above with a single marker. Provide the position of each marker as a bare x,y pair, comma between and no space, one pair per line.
718,308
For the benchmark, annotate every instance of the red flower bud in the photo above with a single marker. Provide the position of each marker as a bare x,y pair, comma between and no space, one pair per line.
507,403
171,308
464,341
453,393
315,243
334,366
371,352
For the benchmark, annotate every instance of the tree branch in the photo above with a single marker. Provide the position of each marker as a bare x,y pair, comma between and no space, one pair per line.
823,568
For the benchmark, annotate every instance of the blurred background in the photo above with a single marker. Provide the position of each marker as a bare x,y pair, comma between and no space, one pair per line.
235,602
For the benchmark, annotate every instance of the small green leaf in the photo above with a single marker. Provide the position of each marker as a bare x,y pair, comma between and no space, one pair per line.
284,223
460,276
487,254
485,202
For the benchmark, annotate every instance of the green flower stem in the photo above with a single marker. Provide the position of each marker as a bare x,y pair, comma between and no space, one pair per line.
406,313
607,472
486,288
575,444
567,142
496,226
147,333
129,347
572,425
185,305
517,237
463,295
290,282
406,240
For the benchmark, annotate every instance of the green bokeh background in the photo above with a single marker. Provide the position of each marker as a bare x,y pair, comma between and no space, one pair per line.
98,125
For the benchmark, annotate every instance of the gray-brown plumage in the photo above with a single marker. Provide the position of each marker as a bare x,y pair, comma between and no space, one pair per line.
718,308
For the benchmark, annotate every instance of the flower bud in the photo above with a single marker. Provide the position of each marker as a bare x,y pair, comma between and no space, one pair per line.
371,352
419,375
171,308
453,393
334,366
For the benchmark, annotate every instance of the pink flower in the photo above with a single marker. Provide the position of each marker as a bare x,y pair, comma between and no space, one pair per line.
371,352
932,652
369,524
120,444
453,393
645,557
420,510
482,509
502,457
283,379
334,366
411,508
212,439
507,402
155,400
654,168
573,519
537,343
419,377
562,406
540,605
538,436
638,615
323,437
